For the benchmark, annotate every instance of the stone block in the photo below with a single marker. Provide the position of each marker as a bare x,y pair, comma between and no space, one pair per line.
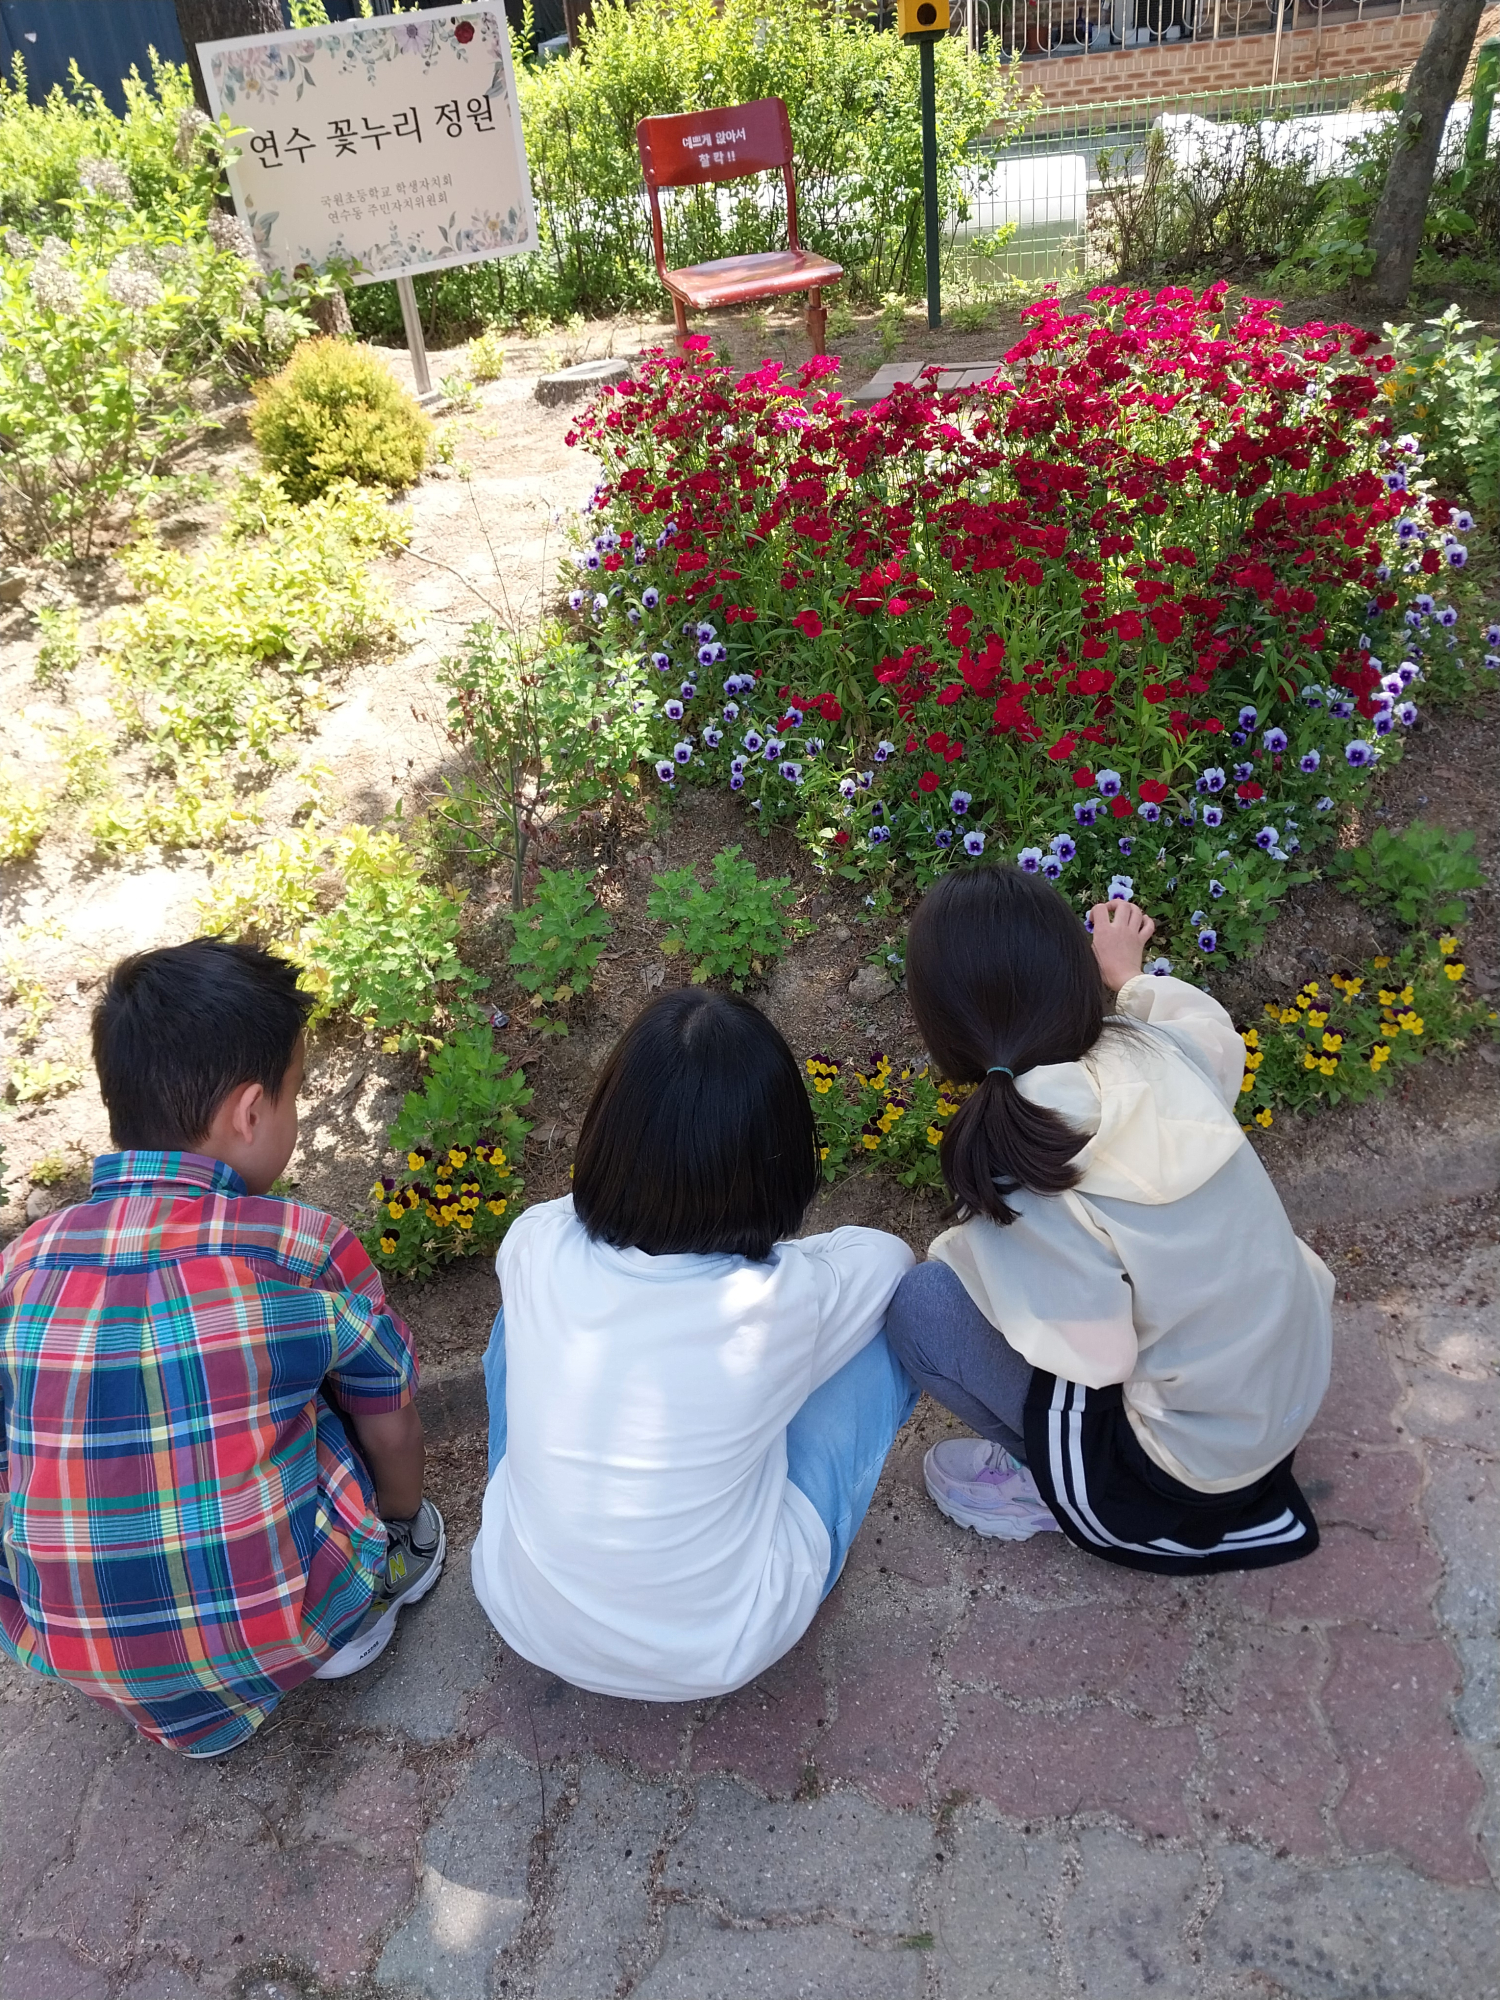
766,1733
422,1687
1350,1577
1362,1932
43,1969
992,1902
1123,1923
704,1960
126,1845
1462,1505
1352,1485
47,1763
1272,1771
1032,1767
889,1717
1084,1652
1363,1388
584,378
538,1715
836,1856
903,1535
1412,1789
601,1863
471,1891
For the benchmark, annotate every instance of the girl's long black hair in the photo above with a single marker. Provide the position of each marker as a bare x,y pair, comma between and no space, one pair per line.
999,971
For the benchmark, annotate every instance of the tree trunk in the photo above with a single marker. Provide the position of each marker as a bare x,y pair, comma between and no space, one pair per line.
1396,229
220,21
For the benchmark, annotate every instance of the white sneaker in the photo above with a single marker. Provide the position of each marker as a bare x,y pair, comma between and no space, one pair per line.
413,1564
982,1487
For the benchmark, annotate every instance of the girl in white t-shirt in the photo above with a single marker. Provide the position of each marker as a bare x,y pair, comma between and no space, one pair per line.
688,1412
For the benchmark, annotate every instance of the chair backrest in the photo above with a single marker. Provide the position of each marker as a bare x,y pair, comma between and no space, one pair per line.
690,148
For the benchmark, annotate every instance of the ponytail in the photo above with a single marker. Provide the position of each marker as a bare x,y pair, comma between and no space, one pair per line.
997,1143
1002,979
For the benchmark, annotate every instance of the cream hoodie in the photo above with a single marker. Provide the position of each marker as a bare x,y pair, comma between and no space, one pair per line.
1171,1268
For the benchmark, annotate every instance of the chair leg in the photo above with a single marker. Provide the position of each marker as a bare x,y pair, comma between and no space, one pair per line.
680,311
817,320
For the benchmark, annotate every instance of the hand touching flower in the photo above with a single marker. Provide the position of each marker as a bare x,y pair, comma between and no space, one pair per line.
1121,933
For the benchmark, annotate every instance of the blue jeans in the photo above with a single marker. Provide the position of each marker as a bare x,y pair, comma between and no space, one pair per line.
835,1445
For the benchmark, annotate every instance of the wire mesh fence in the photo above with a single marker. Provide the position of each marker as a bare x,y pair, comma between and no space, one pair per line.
1030,199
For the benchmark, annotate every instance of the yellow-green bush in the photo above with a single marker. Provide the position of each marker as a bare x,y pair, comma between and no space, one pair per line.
336,412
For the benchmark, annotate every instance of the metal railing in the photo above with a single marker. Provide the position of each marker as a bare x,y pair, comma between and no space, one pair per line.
1037,28
1029,198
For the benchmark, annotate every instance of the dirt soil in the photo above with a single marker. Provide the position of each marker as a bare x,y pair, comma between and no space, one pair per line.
487,528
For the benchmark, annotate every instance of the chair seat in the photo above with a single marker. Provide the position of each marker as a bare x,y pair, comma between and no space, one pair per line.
730,281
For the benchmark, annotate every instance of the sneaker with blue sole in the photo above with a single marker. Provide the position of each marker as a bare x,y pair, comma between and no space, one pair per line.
981,1486
413,1564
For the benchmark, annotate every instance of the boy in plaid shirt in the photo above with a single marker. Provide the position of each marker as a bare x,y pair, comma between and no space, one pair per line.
211,1473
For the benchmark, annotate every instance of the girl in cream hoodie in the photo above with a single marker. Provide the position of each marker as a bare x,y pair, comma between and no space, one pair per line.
1122,1312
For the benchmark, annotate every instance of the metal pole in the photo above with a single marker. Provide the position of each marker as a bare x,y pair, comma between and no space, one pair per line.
930,185
411,319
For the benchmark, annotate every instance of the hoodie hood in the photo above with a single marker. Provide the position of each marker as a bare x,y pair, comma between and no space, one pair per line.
1157,1128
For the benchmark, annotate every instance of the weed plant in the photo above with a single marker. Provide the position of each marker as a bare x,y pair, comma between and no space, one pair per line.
734,929
1418,876
559,937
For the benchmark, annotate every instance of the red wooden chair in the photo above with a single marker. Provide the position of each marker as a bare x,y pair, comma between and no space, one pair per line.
698,147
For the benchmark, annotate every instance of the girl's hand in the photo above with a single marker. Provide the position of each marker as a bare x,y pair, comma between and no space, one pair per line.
1121,934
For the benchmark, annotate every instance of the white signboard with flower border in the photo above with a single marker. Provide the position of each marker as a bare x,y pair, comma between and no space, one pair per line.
393,144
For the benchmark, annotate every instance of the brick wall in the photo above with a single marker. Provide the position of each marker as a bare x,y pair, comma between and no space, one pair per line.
1352,48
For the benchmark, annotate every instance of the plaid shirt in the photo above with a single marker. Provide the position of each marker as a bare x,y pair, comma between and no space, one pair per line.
187,1530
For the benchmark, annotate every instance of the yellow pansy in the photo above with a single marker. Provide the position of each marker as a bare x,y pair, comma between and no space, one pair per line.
1447,946
1380,964
1455,971
377,1193
1247,1084
388,1245
1328,1064
1262,1117
934,1136
415,1162
1315,1019
443,1190
396,1210
1413,1023
1333,1043
496,1207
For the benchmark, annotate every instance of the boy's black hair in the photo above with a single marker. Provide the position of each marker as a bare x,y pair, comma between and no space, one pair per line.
700,1135
1002,978
177,1029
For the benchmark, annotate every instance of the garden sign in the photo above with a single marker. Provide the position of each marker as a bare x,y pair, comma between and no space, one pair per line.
392,144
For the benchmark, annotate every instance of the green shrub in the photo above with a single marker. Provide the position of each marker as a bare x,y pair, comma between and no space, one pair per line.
559,938
336,412
61,648
1418,875
733,929
1447,389
1241,204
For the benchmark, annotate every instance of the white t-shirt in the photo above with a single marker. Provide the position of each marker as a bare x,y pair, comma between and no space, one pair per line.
640,1536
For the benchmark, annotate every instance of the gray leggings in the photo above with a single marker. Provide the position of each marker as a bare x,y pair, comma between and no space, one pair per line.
950,1348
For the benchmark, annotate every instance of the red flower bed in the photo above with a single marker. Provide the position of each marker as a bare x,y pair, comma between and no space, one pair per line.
1148,575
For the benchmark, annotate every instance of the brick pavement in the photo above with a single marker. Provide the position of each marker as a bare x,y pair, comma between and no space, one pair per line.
987,1770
